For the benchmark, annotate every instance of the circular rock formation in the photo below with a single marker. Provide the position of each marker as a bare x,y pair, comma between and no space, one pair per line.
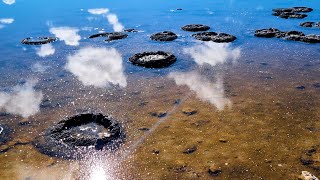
111,36
293,12
215,37
157,59
195,27
267,33
38,41
5,132
72,137
164,36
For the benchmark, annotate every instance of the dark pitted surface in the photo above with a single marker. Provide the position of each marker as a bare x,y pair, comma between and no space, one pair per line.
164,36
288,35
294,12
215,37
157,59
77,134
110,36
195,27
38,41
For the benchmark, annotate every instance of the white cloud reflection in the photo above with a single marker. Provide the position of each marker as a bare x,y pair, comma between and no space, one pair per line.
113,20
212,92
68,34
9,2
99,67
98,11
6,20
213,53
23,100
45,50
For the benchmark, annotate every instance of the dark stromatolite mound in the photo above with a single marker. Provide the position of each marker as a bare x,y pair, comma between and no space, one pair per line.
289,35
38,41
310,24
195,27
5,134
72,137
215,37
267,33
157,59
294,12
110,36
164,36
131,30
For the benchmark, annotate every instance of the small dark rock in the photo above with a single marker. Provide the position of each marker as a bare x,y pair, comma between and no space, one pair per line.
264,64
223,140
159,59
195,27
190,150
24,123
301,87
144,103
164,36
189,112
177,102
156,151
158,114
179,9
144,129
131,30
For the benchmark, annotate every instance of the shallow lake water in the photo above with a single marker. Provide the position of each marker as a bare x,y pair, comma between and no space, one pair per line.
249,109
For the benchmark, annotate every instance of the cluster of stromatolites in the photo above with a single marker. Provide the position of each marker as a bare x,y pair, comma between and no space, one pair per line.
294,12
72,137
288,35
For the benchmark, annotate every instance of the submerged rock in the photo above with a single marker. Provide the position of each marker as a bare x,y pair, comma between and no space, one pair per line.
157,59
195,27
131,30
310,158
110,36
294,12
38,41
289,35
189,111
310,24
164,36
215,37
5,134
190,150
73,137
158,114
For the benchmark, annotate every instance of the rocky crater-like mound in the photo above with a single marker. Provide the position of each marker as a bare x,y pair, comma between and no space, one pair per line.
73,137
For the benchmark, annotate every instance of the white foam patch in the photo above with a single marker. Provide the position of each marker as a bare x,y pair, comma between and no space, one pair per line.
212,92
23,100
113,20
68,34
6,20
45,50
98,11
9,2
38,67
213,53
99,67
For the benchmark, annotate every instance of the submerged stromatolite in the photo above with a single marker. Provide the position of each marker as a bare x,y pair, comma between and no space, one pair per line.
110,36
195,27
74,136
159,59
215,37
38,41
164,36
